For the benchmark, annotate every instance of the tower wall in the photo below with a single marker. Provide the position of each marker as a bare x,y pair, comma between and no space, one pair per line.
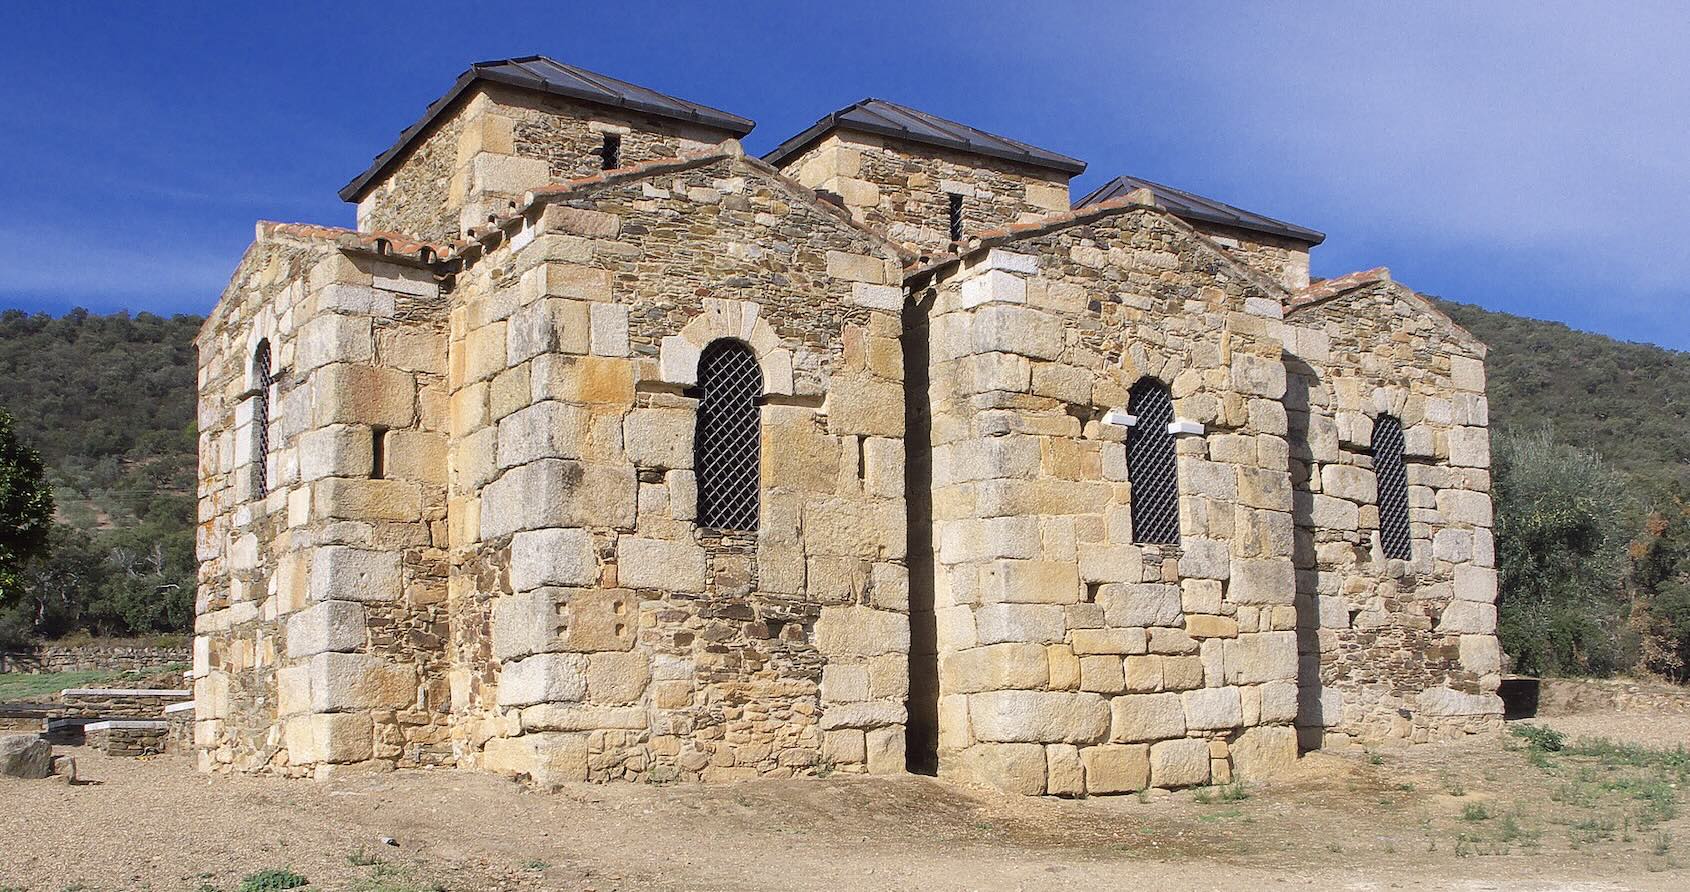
500,142
901,189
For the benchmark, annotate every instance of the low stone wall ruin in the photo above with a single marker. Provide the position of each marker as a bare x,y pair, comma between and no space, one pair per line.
128,738
1567,696
92,656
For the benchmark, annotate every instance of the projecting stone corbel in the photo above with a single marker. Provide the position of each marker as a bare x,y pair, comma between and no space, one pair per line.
1119,418
1185,426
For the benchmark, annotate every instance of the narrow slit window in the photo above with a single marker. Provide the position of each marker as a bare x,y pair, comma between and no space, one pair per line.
1150,465
378,453
1392,478
955,216
725,444
261,379
610,153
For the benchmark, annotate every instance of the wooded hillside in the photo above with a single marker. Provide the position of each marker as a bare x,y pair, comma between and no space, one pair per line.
1629,403
108,401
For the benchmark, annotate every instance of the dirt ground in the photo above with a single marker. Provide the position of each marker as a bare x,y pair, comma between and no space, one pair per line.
1474,815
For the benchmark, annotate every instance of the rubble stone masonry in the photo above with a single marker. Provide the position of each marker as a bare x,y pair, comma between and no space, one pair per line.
478,161
903,189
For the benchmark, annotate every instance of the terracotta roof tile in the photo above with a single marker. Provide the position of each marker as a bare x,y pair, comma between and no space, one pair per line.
378,242
1327,288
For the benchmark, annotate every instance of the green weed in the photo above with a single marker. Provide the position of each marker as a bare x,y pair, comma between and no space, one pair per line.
272,879
1539,738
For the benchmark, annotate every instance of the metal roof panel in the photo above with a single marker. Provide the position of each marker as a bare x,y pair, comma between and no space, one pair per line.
879,116
1186,204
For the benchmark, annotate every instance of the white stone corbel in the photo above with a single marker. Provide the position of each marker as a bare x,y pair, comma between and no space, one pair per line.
1119,418
1182,426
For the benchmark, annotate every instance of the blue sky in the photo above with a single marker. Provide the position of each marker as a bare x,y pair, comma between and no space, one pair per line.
1527,157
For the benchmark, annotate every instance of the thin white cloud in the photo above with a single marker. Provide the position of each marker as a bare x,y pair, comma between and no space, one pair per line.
52,263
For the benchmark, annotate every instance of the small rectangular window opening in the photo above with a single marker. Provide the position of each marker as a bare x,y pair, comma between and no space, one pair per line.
378,453
610,154
956,216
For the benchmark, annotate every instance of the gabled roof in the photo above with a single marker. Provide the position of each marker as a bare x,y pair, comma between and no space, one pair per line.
1330,291
550,76
1195,207
884,118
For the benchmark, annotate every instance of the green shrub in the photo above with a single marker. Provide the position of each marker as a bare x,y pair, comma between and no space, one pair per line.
1563,520
1539,737
271,879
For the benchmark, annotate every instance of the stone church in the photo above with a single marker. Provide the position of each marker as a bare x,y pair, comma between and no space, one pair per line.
601,450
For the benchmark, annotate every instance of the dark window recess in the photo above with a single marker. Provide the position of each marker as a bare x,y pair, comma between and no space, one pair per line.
955,216
1392,477
261,419
1150,465
725,444
378,453
610,154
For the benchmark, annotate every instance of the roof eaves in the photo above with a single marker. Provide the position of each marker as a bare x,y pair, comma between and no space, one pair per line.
1327,289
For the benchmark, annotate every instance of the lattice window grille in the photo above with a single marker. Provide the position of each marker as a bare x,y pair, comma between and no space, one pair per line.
1150,465
725,442
261,419
955,216
1392,478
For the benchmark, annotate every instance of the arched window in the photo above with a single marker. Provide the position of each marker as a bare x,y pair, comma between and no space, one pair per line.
1150,465
1392,479
725,444
261,419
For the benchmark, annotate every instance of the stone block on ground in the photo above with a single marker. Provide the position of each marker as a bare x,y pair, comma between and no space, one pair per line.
25,756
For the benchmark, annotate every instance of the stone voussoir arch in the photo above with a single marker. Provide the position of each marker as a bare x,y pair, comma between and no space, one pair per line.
739,320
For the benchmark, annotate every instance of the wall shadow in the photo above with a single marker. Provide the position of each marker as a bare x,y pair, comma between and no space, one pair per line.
1302,381
921,735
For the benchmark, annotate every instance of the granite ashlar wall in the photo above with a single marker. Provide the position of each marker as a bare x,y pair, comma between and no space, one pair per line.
1391,649
598,631
320,623
1074,660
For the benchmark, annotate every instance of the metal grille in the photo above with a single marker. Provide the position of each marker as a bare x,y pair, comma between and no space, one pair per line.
610,154
1393,487
1150,465
956,216
261,418
725,444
